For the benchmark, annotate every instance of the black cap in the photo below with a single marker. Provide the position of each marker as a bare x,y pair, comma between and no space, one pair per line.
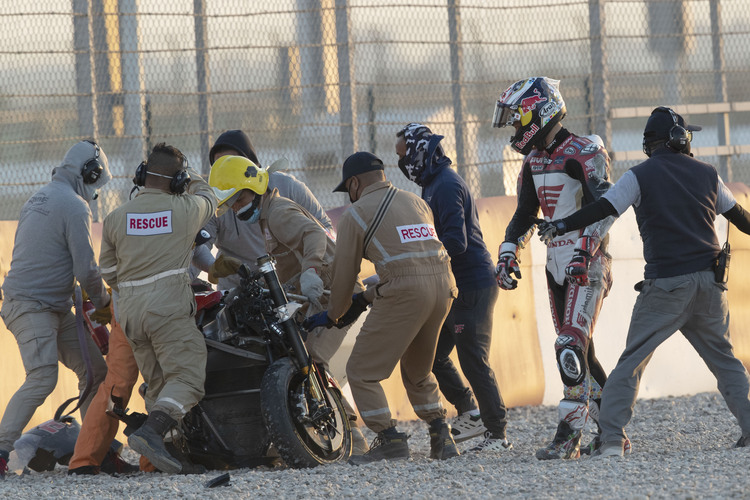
356,164
661,122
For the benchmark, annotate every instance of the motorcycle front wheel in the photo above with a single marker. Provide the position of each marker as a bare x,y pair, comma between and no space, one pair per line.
306,432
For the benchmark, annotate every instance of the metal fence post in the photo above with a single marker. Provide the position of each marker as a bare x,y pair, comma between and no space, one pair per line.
347,90
132,80
457,78
599,104
720,88
205,118
85,101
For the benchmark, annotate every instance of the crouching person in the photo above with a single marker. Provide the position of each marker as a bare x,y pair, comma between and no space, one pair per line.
146,250
394,230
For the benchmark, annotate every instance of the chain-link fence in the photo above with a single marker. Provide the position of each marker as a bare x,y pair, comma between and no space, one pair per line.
315,80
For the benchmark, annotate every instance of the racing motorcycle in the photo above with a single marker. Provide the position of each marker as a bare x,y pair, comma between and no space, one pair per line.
262,386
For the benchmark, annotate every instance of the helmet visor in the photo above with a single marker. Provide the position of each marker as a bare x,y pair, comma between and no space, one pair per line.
226,199
504,115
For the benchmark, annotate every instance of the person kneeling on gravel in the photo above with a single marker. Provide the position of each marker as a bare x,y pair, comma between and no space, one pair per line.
393,229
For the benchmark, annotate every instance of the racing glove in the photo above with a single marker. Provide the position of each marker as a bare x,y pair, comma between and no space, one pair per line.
359,305
548,230
507,266
222,267
577,271
316,320
311,286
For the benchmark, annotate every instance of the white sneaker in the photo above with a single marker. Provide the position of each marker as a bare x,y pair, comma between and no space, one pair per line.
614,449
492,444
467,426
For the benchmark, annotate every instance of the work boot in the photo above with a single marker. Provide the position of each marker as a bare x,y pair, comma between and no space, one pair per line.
188,467
149,442
442,445
359,443
387,445
4,455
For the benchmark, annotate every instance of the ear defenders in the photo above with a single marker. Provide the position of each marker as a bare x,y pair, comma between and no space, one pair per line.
93,168
679,137
177,184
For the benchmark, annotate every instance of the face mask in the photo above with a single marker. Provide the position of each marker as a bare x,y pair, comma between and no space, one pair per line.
251,211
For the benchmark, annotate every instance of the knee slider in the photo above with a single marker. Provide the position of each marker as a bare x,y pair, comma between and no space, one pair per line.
571,360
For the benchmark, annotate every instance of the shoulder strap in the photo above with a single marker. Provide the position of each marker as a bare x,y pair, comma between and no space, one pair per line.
385,204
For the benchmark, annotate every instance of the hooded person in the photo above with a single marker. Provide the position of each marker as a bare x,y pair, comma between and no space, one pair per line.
239,241
52,250
468,326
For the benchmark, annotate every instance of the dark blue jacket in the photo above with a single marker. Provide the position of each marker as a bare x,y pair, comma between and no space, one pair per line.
456,221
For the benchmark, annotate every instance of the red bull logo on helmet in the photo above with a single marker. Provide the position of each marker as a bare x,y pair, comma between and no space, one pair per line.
527,136
529,103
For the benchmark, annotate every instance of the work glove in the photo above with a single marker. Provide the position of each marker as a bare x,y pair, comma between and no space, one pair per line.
311,286
316,320
103,315
548,230
222,267
577,271
507,266
359,305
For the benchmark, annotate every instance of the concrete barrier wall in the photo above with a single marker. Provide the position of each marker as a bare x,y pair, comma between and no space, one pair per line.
522,350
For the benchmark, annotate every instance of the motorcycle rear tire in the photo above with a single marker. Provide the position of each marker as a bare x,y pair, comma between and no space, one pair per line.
300,444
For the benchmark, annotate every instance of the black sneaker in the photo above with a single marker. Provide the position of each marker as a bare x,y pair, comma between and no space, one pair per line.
565,445
386,446
442,445
84,470
743,442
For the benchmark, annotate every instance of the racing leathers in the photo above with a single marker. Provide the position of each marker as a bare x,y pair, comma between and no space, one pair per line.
571,172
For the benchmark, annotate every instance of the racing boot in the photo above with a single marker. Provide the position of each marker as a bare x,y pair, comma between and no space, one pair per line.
567,441
442,445
149,442
388,445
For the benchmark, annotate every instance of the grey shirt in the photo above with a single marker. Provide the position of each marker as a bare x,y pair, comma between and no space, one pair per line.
627,192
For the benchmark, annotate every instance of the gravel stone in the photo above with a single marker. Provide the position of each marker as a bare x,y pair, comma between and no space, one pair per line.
682,449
